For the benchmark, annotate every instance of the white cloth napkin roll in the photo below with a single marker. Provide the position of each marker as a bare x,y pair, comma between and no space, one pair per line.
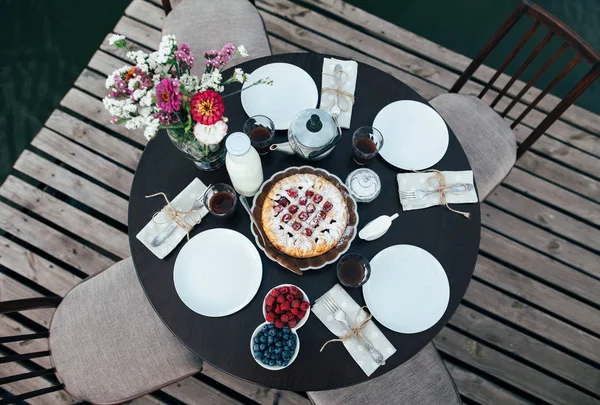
183,202
350,67
418,181
370,331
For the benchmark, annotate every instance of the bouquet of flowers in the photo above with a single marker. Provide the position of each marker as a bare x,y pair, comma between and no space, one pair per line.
161,92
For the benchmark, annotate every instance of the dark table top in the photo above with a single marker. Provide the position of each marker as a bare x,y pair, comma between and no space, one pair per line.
224,342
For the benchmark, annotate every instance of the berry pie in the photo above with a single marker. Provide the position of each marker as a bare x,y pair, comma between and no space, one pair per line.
304,215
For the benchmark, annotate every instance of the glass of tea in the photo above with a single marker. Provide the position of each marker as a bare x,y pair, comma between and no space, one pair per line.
353,270
366,143
220,200
261,131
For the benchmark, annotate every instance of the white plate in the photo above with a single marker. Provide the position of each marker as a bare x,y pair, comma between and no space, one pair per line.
408,290
293,90
415,135
217,272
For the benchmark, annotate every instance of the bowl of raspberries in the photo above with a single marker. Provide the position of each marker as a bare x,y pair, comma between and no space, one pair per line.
274,348
286,305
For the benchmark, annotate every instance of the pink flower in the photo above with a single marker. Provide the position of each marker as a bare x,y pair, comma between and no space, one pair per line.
165,118
210,134
168,97
217,59
207,107
184,56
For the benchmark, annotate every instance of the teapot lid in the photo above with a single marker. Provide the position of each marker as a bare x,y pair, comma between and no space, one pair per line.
313,128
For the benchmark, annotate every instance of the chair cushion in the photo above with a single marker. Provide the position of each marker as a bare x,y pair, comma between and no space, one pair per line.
423,379
108,344
208,24
486,137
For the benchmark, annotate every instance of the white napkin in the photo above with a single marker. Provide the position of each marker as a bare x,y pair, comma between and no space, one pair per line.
370,331
350,67
418,181
183,202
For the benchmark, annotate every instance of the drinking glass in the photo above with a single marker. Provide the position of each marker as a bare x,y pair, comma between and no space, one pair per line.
261,131
220,200
366,143
353,270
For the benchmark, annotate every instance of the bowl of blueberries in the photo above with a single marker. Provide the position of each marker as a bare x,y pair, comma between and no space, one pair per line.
274,348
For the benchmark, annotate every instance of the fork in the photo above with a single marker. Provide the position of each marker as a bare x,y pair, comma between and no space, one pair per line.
340,316
421,194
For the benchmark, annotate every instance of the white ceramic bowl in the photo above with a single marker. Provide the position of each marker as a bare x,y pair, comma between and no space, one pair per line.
273,368
305,299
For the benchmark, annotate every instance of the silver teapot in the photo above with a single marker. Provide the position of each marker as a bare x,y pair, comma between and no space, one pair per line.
312,135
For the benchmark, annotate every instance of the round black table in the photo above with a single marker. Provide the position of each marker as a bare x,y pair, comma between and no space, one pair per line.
224,342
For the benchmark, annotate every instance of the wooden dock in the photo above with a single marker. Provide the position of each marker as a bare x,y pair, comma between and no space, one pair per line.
528,330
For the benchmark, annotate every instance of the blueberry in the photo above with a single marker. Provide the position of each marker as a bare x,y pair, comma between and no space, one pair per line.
286,329
293,337
265,360
271,362
256,347
286,336
277,350
265,328
263,339
270,340
272,332
279,334
257,355
279,363
271,326
290,343
270,349
256,339
286,362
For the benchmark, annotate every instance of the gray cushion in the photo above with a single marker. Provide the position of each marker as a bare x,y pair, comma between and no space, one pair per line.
108,344
210,24
487,139
422,380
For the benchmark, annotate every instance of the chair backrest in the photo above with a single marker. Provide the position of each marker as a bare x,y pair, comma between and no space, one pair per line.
555,28
36,371
167,5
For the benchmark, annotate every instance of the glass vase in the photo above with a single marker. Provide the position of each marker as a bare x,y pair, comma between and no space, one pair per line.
205,157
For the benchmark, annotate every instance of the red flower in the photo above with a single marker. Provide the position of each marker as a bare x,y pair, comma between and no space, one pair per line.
207,107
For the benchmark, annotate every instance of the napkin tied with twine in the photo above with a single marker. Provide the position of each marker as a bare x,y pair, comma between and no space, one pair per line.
342,95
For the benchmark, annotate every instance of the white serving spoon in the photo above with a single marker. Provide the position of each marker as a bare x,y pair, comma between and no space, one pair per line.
377,227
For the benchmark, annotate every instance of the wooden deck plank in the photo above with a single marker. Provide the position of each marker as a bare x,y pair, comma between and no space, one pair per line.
536,352
148,13
192,390
51,241
66,216
93,138
444,56
95,86
540,266
92,108
138,32
11,289
105,63
537,293
22,387
83,160
517,374
279,46
535,321
121,53
73,185
537,238
9,327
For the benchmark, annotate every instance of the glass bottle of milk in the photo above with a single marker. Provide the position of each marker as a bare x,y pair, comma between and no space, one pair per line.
243,164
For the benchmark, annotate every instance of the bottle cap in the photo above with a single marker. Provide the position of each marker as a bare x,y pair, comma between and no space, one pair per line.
237,143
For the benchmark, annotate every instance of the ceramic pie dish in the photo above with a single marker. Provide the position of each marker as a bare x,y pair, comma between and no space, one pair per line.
330,251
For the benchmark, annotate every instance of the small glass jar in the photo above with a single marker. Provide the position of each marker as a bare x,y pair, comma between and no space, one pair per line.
220,199
364,185
261,131
353,270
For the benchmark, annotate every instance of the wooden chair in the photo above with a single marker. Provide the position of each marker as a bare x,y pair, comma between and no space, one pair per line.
167,5
105,342
487,138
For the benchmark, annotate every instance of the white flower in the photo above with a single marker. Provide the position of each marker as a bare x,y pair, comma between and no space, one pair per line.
122,108
115,38
239,75
210,134
110,81
146,100
212,81
139,93
190,82
151,128
135,123
242,51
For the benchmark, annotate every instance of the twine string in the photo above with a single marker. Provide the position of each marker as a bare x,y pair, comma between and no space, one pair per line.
176,216
444,188
355,332
339,94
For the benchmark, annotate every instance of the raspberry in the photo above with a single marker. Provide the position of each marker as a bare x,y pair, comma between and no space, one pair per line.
285,306
286,218
308,231
274,292
284,290
309,193
305,305
278,208
327,206
269,300
270,317
278,324
291,316
322,214
302,201
295,304
269,308
284,318
318,198
301,314
293,209
299,295
294,290
303,216
280,298
292,323
284,201
295,311
292,193
310,208
296,226
289,297
278,309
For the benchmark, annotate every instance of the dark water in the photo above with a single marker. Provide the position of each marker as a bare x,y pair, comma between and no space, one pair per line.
45,44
